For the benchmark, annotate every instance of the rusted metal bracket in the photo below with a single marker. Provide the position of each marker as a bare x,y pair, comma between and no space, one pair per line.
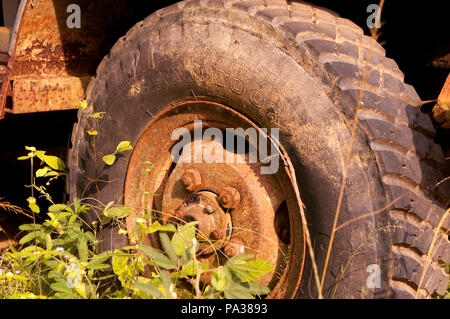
441,111
5,87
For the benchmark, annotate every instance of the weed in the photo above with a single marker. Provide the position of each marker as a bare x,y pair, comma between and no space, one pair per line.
60,257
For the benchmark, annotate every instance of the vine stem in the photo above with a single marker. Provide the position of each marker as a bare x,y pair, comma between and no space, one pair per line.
34,225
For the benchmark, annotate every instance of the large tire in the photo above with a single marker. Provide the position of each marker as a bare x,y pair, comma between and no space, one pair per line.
299,68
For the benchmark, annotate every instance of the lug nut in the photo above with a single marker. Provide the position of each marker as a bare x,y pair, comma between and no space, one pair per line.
230,197
234,247
191,179
231,251
215,234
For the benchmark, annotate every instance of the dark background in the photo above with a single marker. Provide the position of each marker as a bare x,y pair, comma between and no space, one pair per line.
413,35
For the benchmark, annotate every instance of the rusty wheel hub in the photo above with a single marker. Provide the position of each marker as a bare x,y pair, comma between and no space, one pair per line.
238,209
214,225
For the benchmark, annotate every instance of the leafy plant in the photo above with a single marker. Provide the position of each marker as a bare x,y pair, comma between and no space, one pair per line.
122,147
60,257
61,253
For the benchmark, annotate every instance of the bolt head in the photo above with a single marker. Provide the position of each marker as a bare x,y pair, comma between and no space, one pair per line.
191,179
225,199
231,251
230,197
234,247
215,234
187,179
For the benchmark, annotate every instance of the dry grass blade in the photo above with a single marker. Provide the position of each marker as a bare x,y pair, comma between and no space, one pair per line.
375,34
430,251
291,173
371,213
12,208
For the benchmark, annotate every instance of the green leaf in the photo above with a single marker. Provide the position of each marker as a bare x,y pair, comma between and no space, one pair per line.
119,262
97,261
184,238
97,266
259,290
189,268
218,279
32,204
27,238
105,220
34,208
54,162
98,115
156,226
109,159
83,251
40,155
123,146
48,242
185,258
244,272
118,212
72,218
61,287
55,218
250,270
239,259
42,172
167,246
82,105
236,291
90,236
30,227
167,285
21,278
109,205
92,132
157,257
261,266
81,289
59,208
149,290
31,249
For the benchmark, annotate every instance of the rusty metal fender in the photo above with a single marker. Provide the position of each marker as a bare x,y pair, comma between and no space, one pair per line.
42,80
51,61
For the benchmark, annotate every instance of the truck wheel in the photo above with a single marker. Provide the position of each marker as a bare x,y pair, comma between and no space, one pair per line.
274,65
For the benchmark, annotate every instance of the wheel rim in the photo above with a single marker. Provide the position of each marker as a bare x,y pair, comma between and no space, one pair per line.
239,210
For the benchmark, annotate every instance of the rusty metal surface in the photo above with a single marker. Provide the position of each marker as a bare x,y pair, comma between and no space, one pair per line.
45,45
256,221
40,61
47,93
252,220
214,224
4,82
441,111
51,63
